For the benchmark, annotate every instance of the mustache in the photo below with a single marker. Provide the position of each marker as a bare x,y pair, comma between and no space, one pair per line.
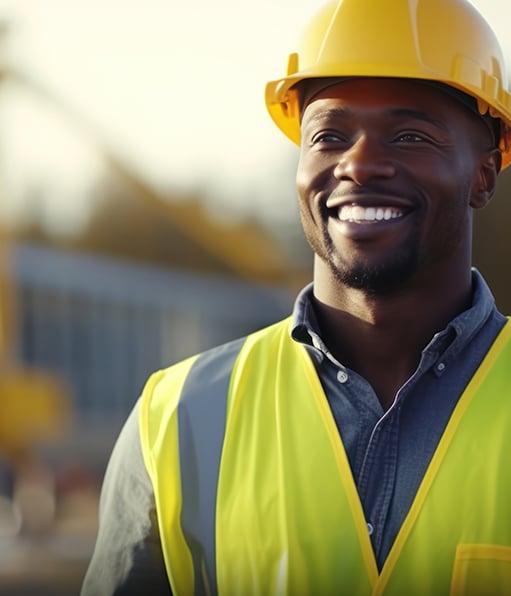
381,190
373,189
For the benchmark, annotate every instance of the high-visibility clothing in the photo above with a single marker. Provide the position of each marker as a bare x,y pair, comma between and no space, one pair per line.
255,495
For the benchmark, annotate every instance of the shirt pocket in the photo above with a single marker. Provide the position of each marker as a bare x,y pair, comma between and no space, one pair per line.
482,570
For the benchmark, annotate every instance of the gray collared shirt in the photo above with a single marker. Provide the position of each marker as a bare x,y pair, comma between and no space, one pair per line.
388,451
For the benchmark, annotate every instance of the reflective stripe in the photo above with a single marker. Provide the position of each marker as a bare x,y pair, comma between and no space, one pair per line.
201,421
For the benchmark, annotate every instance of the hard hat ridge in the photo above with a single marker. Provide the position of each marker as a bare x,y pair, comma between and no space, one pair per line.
446,41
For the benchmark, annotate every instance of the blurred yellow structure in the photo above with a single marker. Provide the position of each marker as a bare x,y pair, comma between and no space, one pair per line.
34,409
34,413
34,405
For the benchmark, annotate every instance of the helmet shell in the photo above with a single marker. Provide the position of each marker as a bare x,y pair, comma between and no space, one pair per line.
439,40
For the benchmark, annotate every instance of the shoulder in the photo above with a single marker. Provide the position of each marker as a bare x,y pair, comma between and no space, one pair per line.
168,383
164,388
202,375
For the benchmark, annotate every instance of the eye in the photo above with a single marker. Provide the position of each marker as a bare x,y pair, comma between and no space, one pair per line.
412,137
328,137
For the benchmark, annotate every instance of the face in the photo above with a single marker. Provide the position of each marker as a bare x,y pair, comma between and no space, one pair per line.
388,174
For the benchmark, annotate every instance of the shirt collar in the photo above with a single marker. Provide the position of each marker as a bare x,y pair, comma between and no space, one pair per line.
447,343
460,331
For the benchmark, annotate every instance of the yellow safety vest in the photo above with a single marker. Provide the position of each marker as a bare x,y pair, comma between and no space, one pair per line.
255,495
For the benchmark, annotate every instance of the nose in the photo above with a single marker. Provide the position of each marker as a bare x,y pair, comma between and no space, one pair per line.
363,161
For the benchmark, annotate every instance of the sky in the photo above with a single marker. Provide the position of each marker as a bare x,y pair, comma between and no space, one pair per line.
173,89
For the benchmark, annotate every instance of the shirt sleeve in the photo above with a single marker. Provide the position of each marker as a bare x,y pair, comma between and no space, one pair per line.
127,558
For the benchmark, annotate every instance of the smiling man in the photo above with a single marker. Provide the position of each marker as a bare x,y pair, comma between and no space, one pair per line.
360,446
389,173
380,160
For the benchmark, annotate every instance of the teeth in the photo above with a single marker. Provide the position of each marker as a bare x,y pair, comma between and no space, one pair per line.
370,214
358,213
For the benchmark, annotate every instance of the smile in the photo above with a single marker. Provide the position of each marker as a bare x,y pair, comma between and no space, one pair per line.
359,214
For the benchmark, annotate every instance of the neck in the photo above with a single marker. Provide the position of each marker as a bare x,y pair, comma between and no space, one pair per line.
382,337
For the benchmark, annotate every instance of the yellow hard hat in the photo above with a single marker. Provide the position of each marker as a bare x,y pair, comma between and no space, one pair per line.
438,40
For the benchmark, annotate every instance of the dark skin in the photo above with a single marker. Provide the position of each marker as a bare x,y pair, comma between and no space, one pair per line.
390,172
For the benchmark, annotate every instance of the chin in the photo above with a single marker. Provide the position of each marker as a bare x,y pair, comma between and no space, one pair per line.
377,279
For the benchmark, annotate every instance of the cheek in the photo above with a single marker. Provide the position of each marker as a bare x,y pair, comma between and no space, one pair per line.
313,177
310,186
449,172
450,220
303,175
304,186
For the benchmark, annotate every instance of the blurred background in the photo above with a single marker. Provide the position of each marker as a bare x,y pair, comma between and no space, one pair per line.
147,211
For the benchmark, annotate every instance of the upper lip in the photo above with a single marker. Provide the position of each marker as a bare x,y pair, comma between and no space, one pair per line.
369,200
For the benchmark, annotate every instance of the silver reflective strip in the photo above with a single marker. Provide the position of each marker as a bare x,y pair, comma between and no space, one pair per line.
201,421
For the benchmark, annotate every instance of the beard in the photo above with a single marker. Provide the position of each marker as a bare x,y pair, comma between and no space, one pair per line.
377,279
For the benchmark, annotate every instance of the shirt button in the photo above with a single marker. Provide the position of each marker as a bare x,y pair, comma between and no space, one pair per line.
370,528
342,377
440,367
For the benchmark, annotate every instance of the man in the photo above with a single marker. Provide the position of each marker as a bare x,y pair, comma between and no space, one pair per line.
362,445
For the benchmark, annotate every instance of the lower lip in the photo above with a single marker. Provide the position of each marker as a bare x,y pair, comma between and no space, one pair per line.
367,230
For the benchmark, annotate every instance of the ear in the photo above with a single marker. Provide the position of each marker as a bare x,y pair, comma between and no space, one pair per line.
485,180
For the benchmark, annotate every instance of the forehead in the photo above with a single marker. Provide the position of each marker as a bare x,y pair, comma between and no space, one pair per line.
384,95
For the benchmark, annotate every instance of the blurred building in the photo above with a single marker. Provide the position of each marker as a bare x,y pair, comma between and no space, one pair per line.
103,280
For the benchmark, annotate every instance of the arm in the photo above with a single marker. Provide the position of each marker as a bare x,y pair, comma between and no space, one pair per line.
127,558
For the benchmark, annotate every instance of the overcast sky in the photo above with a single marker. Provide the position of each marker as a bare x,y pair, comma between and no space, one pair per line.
175,88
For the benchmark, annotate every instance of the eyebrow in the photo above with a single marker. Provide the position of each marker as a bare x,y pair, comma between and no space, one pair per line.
394,112
416,115
330,113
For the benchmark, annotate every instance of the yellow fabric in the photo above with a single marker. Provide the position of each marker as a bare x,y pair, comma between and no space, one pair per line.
159,438
463,503
481,569
283,467
289,520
